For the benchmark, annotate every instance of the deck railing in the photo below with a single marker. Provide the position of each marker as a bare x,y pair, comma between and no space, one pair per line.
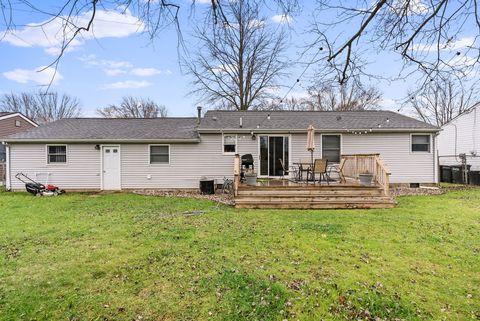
368,163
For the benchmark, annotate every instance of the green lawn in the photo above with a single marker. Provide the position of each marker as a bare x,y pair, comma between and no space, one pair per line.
131,257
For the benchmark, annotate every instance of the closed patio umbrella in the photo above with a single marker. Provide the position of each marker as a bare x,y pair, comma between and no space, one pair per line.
311,140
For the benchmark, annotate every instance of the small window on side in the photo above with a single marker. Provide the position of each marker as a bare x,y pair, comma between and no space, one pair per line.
159,154
18,123
421,143
57,154
229,144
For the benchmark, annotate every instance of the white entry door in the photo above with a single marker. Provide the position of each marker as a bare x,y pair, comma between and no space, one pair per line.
111,168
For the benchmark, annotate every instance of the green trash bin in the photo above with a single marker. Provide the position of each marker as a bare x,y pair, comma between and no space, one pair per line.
445,174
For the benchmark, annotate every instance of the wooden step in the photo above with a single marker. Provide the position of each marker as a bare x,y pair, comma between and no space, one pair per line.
312,192
306,187
309,199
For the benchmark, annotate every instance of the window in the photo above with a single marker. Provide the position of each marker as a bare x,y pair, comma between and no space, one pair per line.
229,144
331,148
159,154
421,143
56,154
18,123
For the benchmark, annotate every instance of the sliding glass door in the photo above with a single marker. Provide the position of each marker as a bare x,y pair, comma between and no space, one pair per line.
274,150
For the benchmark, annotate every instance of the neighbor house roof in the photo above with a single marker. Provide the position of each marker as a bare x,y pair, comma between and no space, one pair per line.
112,129
376,120
7,114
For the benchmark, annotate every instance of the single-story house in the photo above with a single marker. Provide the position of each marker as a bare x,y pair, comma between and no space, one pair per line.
461,136
168,153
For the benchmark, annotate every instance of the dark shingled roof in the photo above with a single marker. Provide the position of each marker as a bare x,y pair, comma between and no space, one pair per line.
321,120
4,113
113,129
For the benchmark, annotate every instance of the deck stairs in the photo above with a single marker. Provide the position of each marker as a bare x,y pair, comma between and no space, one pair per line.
344,196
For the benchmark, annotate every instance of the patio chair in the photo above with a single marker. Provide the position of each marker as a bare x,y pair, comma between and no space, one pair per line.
288,170
320,168
304,167
338,168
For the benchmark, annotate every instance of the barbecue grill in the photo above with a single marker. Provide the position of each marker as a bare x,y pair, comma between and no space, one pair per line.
247,163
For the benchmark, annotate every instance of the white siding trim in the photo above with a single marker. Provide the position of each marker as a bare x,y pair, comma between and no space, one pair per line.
8,183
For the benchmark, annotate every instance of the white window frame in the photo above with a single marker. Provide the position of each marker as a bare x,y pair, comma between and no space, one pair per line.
430,146
56,164
18,123
150,151
331,134
223,144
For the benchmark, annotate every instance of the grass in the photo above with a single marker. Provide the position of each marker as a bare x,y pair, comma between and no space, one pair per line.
131,257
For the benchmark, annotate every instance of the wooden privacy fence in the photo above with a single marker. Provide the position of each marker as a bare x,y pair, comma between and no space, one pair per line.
368,164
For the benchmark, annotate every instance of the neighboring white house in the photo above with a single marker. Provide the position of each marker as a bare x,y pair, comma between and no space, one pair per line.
114,154
461,136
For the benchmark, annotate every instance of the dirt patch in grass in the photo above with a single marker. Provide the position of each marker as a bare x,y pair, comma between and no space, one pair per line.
221,198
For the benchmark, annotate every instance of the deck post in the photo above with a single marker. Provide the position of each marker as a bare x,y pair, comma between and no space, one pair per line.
236,173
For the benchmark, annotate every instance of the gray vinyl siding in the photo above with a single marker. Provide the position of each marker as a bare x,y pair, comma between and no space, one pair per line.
189,162
395,151
82,170
461,135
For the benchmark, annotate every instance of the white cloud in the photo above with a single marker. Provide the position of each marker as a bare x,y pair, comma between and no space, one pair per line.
127,84
110,67
114,72
462,43
39,76
50,35
147,72
282,18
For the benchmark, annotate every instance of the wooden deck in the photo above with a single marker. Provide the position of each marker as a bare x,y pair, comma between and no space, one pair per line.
287,194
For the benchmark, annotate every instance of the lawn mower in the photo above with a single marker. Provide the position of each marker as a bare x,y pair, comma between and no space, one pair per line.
38,189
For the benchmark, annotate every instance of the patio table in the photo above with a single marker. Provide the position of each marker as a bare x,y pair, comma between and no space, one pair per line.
302,167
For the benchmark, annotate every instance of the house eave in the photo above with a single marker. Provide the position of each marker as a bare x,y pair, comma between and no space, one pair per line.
98,141
339,130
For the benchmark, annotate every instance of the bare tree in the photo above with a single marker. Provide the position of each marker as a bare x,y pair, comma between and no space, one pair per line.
41,107
132,107
426,34
237,64
331,96
442,100
24,103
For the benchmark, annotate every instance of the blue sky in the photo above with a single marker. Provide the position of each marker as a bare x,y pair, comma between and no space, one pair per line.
121,60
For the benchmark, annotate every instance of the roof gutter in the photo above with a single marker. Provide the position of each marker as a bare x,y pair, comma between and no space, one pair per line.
341,130
94,141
